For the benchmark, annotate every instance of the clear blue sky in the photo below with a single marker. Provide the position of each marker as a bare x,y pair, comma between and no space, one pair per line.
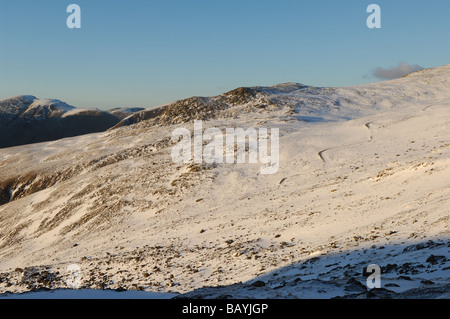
150,52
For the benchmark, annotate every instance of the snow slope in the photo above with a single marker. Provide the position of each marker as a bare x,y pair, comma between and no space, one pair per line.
364,178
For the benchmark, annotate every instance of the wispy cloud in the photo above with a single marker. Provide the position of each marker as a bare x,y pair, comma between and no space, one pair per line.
400,70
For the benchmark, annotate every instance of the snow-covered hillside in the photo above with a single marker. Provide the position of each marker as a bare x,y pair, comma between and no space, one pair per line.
364,178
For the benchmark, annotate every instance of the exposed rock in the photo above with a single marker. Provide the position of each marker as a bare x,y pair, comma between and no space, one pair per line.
435,259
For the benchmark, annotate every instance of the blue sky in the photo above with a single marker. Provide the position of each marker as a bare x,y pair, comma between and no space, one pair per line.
150,52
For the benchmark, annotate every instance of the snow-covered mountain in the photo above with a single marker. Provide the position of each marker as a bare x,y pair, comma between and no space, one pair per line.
364,178
308,103
26,119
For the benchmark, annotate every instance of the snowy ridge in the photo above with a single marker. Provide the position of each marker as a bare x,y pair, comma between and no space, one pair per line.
309,103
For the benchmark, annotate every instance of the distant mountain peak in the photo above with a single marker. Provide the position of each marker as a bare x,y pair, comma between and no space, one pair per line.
26,119
47,108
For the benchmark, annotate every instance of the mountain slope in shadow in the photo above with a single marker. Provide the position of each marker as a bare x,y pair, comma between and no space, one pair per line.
26,120
407,271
